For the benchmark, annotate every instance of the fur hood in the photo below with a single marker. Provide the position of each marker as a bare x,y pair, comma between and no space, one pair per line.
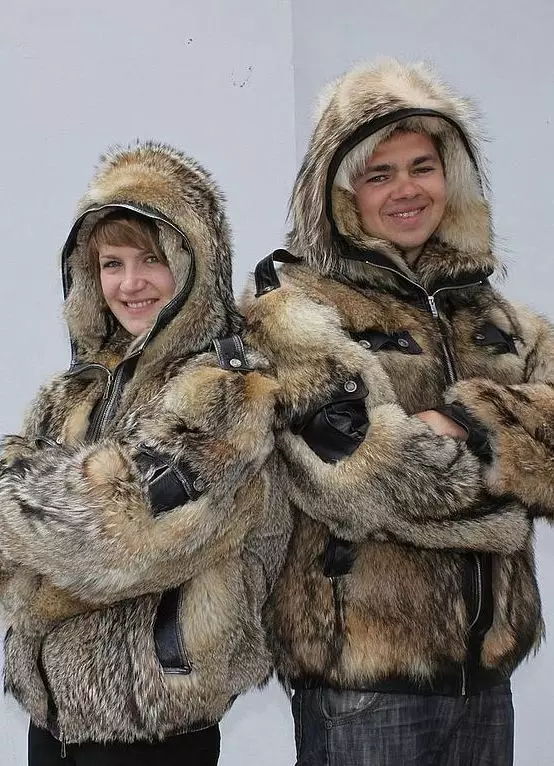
371,101
187,206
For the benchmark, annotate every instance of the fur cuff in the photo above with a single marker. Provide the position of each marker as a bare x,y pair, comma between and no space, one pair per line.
520,422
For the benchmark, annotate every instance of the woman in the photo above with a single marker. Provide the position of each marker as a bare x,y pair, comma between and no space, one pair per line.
135,544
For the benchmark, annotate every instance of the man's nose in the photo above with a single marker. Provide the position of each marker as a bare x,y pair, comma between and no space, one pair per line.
405,188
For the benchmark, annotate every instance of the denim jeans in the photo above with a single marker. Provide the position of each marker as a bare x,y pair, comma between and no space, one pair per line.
351,728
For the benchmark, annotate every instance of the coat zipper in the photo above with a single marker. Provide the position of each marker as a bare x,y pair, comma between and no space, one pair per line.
452,376
110,396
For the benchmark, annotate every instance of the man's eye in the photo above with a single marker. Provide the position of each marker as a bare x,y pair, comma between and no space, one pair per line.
424,170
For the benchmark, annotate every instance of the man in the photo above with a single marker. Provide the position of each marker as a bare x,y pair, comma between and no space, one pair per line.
408,596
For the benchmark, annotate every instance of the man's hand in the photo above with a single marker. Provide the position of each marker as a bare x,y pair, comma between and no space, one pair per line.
442,425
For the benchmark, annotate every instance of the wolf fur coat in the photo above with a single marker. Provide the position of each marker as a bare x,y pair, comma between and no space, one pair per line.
411,564
136,542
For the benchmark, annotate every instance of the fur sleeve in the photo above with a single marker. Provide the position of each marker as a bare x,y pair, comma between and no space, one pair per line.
520,421
504,530
401,477
82,516
14,449
401,473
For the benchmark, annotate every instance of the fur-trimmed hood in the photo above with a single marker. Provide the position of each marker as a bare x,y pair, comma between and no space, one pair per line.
187,206
371,101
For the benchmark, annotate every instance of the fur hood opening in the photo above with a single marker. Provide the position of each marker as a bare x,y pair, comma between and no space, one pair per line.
187,207
368,104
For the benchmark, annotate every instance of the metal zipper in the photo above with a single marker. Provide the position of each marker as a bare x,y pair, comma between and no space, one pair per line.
63,750
451,372
430,297
109,397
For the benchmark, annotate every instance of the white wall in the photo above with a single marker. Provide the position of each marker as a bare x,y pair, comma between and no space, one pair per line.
216,79
500,53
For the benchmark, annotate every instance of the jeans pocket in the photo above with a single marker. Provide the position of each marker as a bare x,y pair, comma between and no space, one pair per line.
345,705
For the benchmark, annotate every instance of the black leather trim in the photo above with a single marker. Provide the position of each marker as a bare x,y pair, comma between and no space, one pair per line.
231,354
52,722
491,336
45,441
339,557
170,485
335,429
265,274
477,435
376,340
170,649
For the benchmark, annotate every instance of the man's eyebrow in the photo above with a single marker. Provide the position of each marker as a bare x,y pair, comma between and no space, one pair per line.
386,166
425,158
379,168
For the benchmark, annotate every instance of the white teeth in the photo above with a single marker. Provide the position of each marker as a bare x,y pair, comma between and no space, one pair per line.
407,214
140,304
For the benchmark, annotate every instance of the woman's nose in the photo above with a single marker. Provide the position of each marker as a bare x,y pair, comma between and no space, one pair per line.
132,281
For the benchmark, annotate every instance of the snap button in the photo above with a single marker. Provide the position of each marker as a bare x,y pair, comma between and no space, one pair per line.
350,386
267,289
479,336
403,343
199,485
235,362
365,343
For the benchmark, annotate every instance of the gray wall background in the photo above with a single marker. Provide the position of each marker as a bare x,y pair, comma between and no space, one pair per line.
234,85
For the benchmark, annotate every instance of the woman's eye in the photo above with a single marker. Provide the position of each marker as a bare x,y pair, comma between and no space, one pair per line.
109,264
376,179
152,258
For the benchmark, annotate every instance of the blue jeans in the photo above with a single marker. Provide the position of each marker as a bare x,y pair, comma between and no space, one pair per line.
350,728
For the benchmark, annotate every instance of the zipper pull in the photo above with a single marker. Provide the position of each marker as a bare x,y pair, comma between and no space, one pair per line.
464,682
63,747
108,386
433,306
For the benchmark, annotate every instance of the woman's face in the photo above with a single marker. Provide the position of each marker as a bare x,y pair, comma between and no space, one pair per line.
136,285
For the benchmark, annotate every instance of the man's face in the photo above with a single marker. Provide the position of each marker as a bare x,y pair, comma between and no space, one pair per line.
401,195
